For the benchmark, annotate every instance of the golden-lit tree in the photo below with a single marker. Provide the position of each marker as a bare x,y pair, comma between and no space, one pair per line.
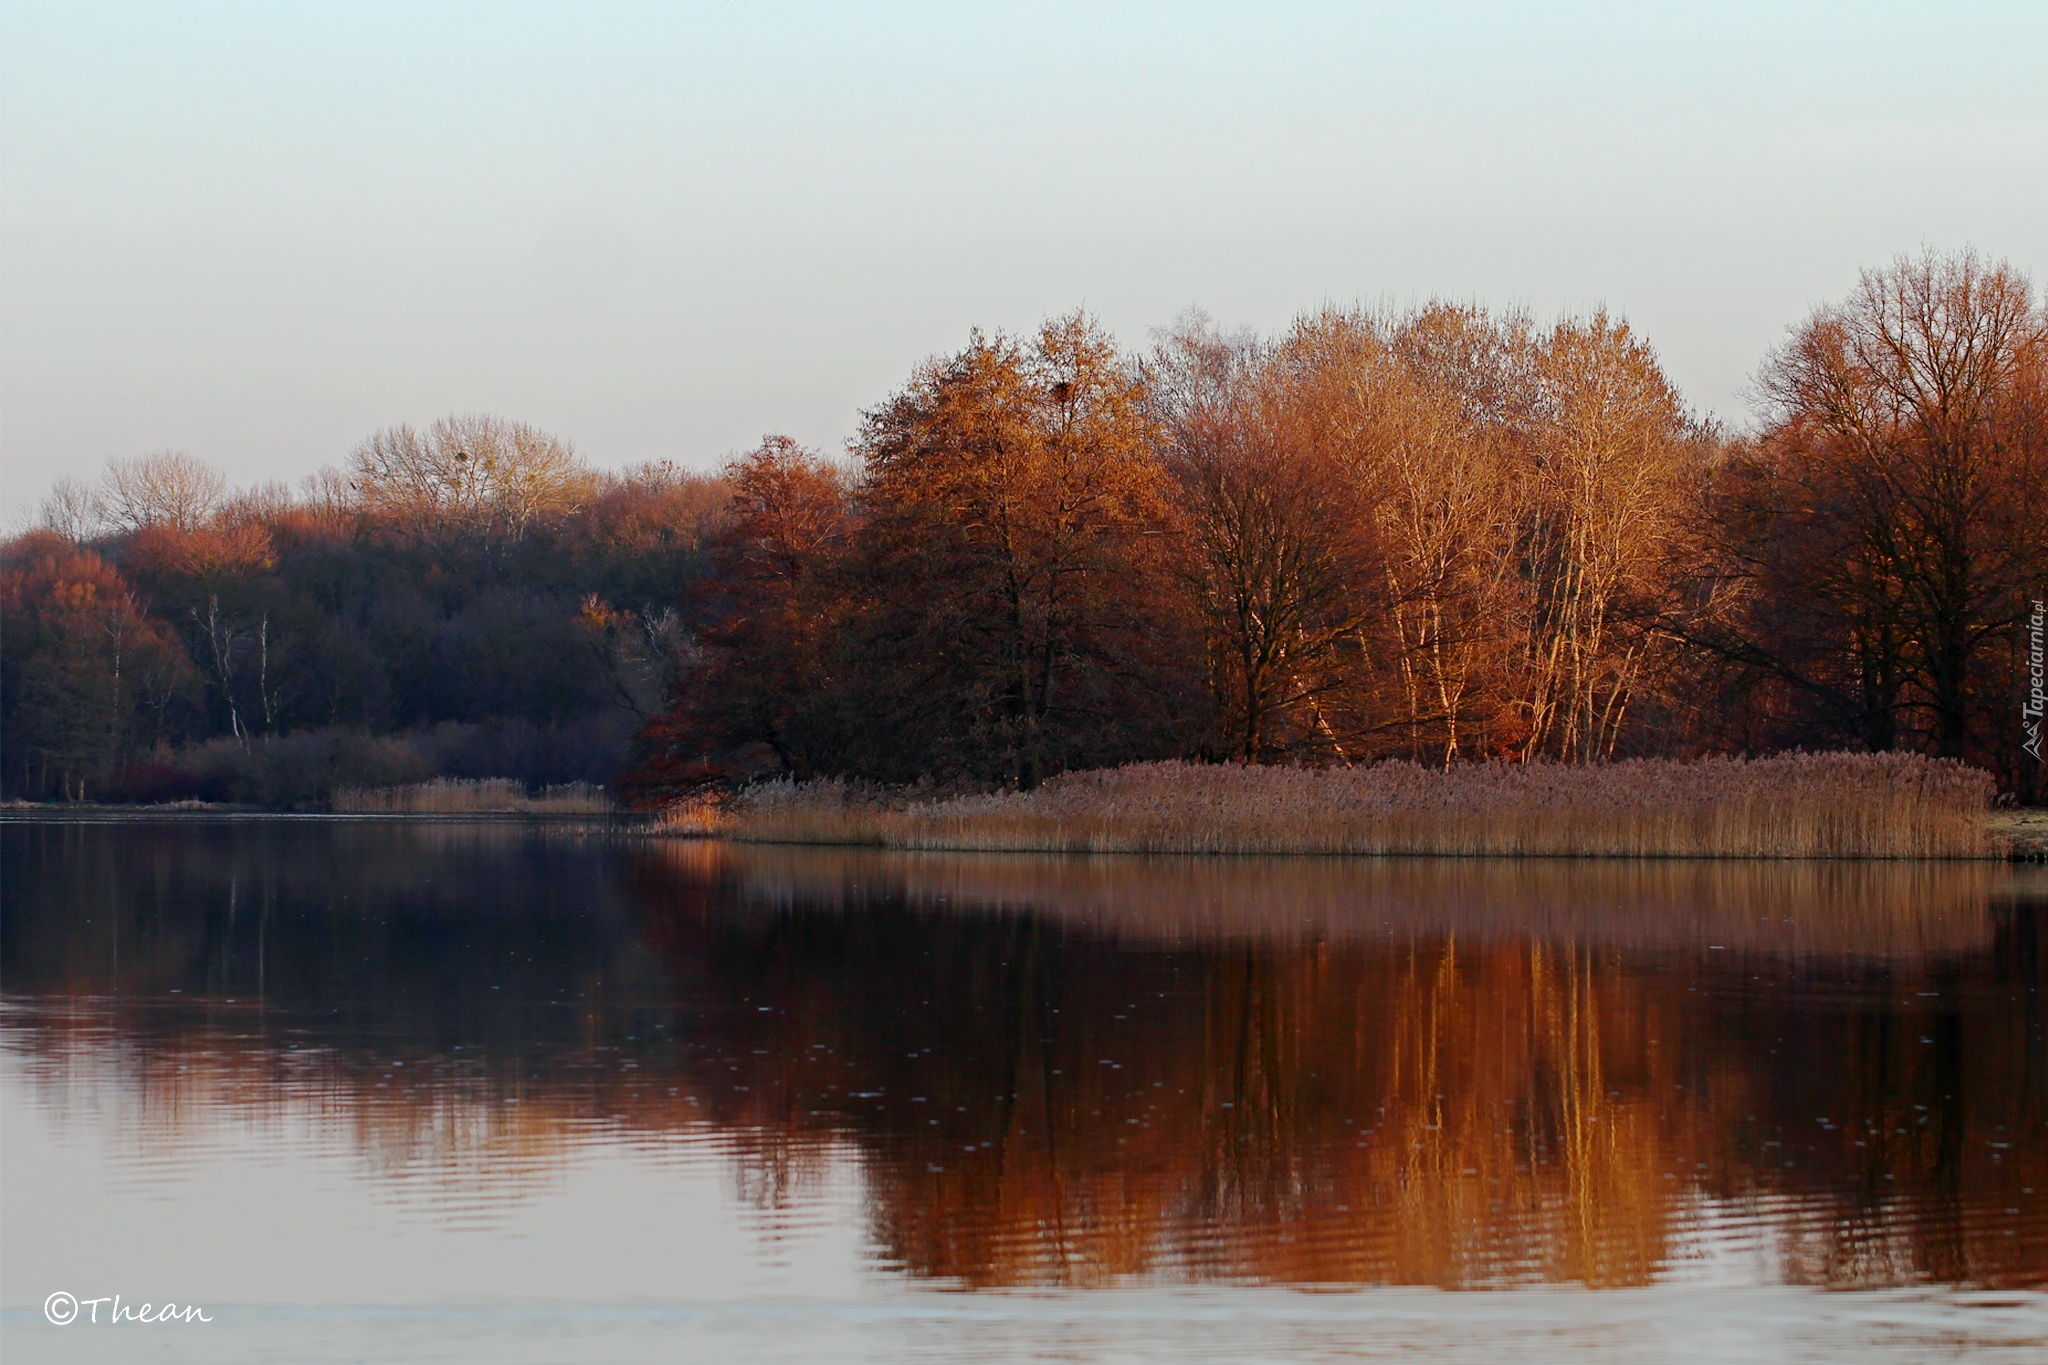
1017,620
1448,523
1277,534
1612,471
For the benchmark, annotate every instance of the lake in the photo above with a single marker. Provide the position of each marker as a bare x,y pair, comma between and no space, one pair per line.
365,1089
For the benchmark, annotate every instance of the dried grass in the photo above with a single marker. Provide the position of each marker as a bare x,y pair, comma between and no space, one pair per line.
1792,806
700,816
481,796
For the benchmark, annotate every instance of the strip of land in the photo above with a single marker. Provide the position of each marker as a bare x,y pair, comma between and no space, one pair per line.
1791,806
2021,834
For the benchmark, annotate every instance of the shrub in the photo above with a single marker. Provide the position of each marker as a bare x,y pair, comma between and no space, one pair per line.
458,796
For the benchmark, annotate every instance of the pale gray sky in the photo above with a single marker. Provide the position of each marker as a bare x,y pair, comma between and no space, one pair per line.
258,232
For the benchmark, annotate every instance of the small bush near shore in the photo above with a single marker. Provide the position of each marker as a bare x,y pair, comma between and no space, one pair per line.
483,796
1792,806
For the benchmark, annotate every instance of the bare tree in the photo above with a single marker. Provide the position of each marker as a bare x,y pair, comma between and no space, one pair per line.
496,477
226,641
166,489
73,510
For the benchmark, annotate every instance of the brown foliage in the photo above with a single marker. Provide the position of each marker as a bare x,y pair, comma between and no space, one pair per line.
1885,528
758,676
1441,534
1278,544
1018,618
88,676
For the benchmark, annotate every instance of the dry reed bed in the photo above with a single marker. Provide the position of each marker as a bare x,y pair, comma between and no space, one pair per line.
1792,806
480,796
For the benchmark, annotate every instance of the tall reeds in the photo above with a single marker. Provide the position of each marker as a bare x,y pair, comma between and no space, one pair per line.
481,796
1792,806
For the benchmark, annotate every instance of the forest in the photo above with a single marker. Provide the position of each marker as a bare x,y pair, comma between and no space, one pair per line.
1440,534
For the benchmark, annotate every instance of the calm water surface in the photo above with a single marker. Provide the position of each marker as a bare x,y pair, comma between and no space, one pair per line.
500,1092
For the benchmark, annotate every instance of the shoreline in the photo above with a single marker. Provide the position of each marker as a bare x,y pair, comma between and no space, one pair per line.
2034,850
2023,834
90,813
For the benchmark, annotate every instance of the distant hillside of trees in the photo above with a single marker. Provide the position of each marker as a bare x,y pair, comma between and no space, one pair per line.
468,600
1439,534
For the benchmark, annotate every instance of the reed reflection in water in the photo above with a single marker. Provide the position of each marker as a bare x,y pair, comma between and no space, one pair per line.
1343,1072
1029,1071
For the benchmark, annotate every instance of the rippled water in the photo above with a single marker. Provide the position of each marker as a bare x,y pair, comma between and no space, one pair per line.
369,1090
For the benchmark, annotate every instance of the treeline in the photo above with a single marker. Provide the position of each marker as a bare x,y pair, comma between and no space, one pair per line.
469,600
1441,534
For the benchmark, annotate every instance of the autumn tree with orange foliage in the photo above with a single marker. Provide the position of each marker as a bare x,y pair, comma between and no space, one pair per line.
757,693
1278,547
90,679
1437,534
1017,615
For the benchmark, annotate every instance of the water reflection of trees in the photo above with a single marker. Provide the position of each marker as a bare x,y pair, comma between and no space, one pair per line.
1135,1078
1102,1069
